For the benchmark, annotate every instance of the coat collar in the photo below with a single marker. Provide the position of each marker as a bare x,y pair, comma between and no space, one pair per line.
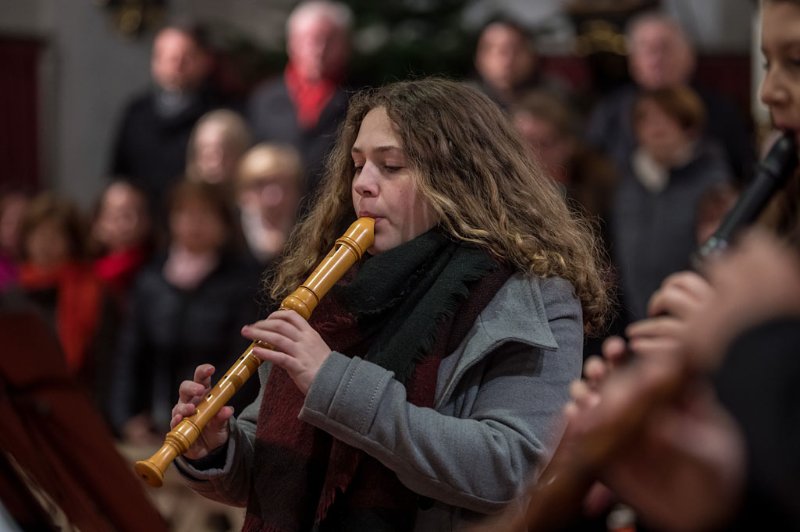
515,314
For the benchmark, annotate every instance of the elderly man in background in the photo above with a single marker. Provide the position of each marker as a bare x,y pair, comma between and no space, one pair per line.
303,107
660,56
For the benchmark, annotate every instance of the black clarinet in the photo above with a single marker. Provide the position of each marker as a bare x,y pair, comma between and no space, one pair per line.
771,174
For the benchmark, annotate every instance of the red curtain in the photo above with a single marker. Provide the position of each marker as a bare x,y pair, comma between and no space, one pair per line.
19,112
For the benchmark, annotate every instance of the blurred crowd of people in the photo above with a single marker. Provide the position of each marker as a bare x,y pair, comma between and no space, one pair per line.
203,193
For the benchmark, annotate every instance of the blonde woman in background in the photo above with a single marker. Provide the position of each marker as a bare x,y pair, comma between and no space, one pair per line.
269,185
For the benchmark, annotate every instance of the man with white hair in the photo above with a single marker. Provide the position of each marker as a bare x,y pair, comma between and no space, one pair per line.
303,108
660,55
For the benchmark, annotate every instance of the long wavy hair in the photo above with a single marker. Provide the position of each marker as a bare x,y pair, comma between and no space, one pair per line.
473,169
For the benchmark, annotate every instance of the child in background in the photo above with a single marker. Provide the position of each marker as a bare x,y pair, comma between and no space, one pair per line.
57,278
188,304
122,234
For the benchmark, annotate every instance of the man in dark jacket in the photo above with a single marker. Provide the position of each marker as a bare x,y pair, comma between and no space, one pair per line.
660,56
154,130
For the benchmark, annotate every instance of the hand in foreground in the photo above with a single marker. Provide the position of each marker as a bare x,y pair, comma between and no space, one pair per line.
660,442
292,345
190,393
696,320
585,395
678,314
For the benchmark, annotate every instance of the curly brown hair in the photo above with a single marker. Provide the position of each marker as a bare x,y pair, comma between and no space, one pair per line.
475,172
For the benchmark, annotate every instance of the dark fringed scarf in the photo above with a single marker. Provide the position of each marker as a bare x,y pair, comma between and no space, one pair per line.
404,310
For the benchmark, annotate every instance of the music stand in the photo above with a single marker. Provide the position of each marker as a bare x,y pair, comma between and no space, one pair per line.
54,445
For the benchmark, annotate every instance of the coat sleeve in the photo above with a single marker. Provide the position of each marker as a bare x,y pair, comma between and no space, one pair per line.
476,457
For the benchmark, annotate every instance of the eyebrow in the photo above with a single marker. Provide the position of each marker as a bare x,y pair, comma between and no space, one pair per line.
784,45
379,149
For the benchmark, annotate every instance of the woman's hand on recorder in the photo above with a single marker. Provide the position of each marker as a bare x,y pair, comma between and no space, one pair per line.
190,393
294,345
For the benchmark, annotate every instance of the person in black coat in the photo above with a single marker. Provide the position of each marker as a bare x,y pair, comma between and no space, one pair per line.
153,133
188,307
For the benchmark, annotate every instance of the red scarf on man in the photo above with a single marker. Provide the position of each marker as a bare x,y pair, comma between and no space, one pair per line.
309,98
79,297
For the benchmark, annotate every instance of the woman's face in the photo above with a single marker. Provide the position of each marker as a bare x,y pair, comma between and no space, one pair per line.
659,134
780,44
383,186
553,149
215,160
503,58
197,227
123,220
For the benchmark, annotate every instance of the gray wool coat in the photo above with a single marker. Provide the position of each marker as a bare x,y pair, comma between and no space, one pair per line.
495,415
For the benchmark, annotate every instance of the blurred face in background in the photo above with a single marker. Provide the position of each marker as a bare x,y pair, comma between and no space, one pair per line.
11,212
123,220
659,55
553,148
178,64
660,134
274,196
317,47
780,44
47,244
196,226
503,57
215,160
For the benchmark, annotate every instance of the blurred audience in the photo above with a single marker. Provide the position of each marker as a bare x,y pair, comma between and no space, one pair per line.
304,107
188,306
153,132
269,187
699,433
12,209
653,215
693,421
57,278
218,141
122,237
507,63
661,56
552,130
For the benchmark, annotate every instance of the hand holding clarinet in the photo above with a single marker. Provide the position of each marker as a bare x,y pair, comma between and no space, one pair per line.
650,428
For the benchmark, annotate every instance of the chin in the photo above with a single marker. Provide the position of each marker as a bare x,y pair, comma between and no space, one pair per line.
381,245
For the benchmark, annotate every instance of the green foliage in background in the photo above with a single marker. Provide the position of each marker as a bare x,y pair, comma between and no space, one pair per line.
397,39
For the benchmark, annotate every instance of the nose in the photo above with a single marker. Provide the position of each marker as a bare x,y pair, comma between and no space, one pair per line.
772,90
365,183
